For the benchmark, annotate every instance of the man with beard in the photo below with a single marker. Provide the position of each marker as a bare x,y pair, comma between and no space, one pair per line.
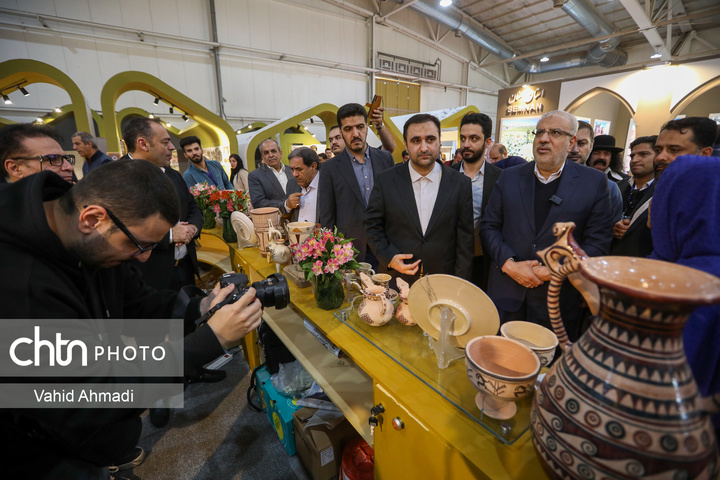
518,222
27,149
337,144
201,169
272,184
632,234
687,136
475,137
64,254
606,157
348,178
419,219
580,152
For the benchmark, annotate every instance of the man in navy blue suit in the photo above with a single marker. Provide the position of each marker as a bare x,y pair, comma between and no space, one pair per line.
517,223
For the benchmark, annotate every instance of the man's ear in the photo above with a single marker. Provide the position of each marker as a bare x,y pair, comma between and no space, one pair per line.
91,217
706,152
13,169
143,144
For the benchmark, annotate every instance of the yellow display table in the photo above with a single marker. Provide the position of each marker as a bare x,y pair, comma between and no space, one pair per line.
430,426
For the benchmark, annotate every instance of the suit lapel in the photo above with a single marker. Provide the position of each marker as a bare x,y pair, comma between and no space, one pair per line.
566,189
347,171
403,183
526,192
444,192
489,178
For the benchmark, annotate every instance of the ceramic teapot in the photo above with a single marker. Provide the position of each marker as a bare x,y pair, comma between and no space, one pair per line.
278,252
622,402
376,309
402,313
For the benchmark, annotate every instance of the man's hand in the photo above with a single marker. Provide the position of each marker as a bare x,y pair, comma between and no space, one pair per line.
398,265
377,118
293,201
522,272
183,233
621,227
235,320
542,272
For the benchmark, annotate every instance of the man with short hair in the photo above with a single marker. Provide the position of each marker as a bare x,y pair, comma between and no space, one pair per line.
632,234
686,136
348,178
305,167
64,254
84,144
497,152
201,169
475,138
27,149
518,222
606,157
329,153
405,156
580,153
272,183
419,218
337,144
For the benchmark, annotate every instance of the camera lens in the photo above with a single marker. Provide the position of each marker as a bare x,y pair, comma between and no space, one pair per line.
273,291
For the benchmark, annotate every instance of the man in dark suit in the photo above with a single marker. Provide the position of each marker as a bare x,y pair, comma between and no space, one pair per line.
271,183
305,166
173,263
475,138
420,215
632,234
526,202
349,177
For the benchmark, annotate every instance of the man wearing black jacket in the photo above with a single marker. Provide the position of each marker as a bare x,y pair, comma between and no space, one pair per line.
63,255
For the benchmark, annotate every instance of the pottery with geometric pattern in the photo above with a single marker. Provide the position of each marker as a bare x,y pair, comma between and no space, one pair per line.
622,402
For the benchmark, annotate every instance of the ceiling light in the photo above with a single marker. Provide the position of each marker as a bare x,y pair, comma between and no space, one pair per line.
39,120
151,116
24,92
249,126
7,100
545,59
168,124
185,117
656,55
526,86
171,109
157,101
445,3
239,131
58,110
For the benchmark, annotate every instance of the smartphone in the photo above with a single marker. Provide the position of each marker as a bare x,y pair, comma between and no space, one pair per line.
377,99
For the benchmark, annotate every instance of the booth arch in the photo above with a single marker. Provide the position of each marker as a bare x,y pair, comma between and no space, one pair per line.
698,92
594,92
32,71
213,126
620,120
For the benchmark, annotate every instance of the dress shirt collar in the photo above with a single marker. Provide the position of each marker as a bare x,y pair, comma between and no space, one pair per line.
366,154
552,177
647,184
480,172
432,176
313,185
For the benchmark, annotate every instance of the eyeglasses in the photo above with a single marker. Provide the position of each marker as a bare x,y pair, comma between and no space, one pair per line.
53,159
554,133
127,233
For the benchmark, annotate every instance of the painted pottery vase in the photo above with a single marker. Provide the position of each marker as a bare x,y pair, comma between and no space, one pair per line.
376,309
328,291
622,402
402,313
263,220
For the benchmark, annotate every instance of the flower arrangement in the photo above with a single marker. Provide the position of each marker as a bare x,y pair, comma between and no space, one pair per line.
225,202
201,192
322,256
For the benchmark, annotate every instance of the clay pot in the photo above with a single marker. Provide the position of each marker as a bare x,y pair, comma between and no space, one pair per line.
622,401
263,220
503,371
402,313
376,308
298,232
538,338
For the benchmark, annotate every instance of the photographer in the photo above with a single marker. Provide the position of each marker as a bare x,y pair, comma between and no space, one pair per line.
63,255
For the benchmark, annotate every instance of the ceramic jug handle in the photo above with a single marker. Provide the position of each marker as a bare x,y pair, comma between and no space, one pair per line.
562,258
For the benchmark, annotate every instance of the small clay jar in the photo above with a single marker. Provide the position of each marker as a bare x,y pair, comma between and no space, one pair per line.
376,308
402,313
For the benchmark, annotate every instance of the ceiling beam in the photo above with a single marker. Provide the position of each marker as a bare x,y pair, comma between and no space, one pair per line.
638,14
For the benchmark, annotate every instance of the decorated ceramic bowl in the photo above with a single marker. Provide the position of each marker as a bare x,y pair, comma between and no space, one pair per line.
540,340
503,371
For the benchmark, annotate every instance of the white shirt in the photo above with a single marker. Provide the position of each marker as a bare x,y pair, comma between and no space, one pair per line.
308,202
426,191
281,177
181,251
552,176
477,194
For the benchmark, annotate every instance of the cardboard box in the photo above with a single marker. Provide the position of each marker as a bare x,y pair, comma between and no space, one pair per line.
279,410
319,449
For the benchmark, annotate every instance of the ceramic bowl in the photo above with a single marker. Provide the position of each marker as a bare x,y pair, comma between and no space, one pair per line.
503,371
540,340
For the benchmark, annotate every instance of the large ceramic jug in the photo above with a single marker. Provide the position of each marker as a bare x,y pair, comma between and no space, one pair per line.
622,401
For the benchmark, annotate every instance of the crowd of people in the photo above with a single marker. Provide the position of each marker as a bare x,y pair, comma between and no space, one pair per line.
120,242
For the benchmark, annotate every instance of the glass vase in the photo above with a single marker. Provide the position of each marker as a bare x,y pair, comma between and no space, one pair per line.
228,232
328,290
208,219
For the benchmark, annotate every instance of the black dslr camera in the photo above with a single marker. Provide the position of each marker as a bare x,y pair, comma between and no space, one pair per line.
272,292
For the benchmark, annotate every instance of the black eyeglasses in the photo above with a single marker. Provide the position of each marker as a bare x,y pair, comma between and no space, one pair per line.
53,159
127,233
554,133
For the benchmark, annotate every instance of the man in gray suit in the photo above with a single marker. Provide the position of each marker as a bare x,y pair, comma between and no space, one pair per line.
348,178
271,183
305,166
